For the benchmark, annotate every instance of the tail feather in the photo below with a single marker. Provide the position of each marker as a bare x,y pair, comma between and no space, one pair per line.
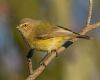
84,37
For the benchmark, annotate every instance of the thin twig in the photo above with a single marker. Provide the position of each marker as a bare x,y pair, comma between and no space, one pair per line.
36,73
89,28
90,12
30,66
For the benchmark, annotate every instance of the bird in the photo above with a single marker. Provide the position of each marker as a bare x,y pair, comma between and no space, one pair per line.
44,36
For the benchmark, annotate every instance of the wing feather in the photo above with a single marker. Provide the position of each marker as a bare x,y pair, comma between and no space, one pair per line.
46,30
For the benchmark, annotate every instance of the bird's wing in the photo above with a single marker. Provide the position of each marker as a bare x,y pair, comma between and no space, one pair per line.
46,30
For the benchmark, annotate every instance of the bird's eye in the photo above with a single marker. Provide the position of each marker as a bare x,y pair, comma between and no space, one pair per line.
25,25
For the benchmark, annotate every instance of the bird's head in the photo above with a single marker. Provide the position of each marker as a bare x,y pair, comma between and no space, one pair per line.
27,25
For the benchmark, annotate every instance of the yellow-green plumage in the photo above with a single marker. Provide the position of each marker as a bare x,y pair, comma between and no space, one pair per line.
42,35
47,44
44,39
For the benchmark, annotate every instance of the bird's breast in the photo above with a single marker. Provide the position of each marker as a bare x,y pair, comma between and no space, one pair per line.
47,44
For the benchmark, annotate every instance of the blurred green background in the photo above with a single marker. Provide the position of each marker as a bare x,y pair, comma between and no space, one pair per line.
81,61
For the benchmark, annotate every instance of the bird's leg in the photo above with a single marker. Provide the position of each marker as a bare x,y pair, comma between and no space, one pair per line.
29,56
67,44
44,60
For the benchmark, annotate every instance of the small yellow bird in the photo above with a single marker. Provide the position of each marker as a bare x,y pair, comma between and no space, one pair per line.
41,35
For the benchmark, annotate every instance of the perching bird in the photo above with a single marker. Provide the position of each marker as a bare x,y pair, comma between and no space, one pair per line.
41,35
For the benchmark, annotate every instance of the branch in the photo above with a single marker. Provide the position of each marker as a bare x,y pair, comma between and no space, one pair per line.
29,61
90,12
89,28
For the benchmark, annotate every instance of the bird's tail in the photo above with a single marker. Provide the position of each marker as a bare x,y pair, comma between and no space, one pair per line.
84,37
